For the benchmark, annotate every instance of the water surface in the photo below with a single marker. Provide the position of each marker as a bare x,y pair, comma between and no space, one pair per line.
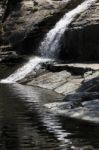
25,124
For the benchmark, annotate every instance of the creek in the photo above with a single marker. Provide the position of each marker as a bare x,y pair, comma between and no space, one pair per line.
25,124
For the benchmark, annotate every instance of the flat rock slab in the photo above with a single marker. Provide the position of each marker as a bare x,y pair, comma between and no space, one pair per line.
94,66
51,80
67,79
69,87
89,111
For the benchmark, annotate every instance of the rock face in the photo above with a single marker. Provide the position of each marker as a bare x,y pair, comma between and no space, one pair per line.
3,6
81,40
67,78
24,23
80,85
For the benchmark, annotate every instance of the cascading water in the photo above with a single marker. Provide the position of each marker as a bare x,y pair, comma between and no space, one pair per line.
49,47
24,70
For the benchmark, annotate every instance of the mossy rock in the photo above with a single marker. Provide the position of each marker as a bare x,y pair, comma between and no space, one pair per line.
35,8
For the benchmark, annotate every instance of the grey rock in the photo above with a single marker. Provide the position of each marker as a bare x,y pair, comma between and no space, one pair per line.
87,112
3,6
51,80
81,40
69,87
24,27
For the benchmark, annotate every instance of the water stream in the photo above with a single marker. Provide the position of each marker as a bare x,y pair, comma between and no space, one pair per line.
49,45
25,70
25,124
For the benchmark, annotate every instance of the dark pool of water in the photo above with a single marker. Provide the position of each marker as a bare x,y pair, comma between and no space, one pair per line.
25,124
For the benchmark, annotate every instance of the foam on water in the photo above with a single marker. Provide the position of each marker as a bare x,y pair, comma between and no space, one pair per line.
24,70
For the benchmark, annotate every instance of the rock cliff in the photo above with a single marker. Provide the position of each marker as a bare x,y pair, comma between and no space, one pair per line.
81,39
23,24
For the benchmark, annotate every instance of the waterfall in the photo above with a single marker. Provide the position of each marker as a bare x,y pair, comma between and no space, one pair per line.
49,46
24,70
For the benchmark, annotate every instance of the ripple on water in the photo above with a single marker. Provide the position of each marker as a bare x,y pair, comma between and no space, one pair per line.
26,125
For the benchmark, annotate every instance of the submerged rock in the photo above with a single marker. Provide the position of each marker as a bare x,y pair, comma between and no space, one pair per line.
88,111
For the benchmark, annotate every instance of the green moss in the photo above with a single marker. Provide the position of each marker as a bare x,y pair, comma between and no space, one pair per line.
35,8
49,14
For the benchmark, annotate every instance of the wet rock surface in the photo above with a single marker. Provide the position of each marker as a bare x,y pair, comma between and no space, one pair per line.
3,6
87,111
81,89
23,25
81,39
66,78
8,56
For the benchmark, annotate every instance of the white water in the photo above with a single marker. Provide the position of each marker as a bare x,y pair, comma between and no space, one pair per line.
24,70
49,46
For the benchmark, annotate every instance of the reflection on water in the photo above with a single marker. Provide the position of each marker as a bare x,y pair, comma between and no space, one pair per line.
26,125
